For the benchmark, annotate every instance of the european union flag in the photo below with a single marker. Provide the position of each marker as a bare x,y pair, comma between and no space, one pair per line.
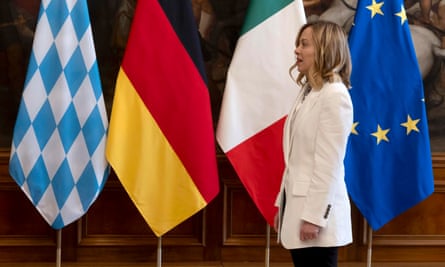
388,161
58,147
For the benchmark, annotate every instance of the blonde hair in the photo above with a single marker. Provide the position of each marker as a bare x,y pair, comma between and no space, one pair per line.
332,62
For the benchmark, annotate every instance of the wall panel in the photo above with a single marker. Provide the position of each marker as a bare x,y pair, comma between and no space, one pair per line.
229,229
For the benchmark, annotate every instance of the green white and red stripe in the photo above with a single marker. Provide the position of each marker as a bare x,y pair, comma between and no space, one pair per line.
161,141
258,95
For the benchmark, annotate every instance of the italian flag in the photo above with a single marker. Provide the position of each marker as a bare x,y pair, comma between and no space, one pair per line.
258,95
161,140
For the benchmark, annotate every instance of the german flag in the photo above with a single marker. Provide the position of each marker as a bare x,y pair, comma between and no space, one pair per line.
161,140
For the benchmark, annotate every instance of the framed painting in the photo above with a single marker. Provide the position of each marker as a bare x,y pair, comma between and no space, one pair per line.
219,23
427,24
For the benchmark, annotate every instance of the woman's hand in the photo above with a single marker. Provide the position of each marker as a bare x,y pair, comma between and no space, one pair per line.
275,222
309,231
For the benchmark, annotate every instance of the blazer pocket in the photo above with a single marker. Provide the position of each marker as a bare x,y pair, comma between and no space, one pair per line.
300,188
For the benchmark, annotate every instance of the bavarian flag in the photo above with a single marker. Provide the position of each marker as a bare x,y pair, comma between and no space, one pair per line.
161,142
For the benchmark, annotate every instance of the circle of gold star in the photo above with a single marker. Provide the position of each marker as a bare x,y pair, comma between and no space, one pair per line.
381,134
376,8
410,125
402,15
354,128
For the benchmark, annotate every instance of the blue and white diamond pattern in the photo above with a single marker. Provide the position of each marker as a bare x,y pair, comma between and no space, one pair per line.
58,148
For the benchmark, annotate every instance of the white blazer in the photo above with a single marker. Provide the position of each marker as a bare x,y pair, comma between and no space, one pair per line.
314,142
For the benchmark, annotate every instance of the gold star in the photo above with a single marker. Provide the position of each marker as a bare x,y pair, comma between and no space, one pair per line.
375,8
354,128
411,125
380,134
402,15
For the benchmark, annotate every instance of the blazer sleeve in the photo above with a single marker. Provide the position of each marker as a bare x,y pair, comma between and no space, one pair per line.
334,127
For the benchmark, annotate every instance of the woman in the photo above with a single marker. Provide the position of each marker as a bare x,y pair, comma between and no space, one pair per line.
314,212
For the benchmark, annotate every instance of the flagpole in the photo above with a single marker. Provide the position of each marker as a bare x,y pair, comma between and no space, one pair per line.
267,259
59,248
159,252
369,240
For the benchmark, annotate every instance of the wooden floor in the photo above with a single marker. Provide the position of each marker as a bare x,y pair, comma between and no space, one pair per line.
217,264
